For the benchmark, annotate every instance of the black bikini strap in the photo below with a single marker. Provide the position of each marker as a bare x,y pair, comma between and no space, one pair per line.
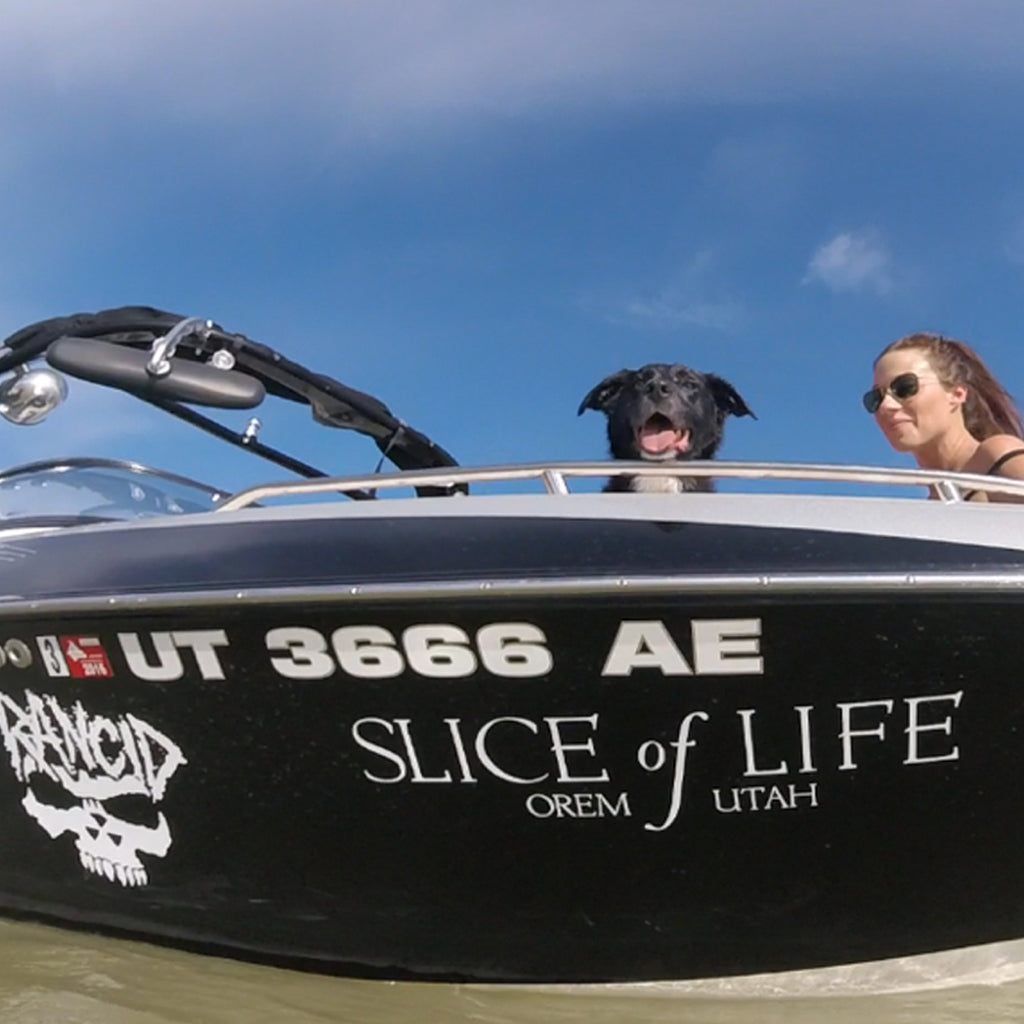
1004,458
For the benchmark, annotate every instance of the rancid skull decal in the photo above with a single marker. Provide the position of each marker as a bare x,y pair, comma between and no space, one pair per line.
107,845
97,779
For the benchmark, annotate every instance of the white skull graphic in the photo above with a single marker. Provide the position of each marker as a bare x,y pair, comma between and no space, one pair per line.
76,766
107,845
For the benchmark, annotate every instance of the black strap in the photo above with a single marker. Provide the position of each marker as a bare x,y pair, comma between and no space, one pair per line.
1004,458
1012,454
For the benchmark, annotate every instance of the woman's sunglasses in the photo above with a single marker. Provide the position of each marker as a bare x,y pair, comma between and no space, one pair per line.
902,388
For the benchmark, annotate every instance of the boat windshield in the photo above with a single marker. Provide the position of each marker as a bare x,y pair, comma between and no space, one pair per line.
98,489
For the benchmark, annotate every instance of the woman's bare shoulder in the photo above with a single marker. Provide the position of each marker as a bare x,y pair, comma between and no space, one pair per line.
1003,446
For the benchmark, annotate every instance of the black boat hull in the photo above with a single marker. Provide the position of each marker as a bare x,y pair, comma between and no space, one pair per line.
623,784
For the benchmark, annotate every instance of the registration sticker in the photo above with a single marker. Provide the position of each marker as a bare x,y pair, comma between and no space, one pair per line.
80,657
85,657
52,655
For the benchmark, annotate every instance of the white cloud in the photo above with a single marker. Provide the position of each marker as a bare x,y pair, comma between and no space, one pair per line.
367,70
694,297
670,310
764,171
1014,245
853,261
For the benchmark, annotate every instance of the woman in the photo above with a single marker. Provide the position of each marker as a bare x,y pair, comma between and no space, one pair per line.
936,399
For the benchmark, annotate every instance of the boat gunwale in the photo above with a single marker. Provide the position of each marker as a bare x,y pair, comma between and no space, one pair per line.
554,477
836,583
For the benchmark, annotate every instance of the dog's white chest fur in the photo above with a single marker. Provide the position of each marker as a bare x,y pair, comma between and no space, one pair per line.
657,484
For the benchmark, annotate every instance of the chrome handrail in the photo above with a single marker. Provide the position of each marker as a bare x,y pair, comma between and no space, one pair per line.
555,475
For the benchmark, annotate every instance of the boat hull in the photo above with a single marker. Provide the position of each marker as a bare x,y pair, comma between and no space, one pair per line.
622,784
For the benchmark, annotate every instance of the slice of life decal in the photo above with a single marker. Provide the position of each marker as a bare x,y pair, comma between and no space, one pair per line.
93,759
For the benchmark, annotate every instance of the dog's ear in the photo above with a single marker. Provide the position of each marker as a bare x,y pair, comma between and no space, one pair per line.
727,398
603,396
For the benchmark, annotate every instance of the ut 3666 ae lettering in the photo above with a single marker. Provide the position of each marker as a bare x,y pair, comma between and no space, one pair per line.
441,650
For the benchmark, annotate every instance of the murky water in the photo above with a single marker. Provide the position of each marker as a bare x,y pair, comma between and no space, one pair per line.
48,975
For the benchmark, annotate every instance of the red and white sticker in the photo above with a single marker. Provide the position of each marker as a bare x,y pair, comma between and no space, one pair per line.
80,657
86,657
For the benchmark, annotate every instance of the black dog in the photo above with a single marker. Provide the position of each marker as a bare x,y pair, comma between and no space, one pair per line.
663,413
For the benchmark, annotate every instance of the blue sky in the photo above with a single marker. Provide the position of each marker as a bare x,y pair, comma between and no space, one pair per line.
476,209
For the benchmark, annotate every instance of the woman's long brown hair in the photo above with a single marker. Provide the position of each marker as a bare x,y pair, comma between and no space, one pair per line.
989,408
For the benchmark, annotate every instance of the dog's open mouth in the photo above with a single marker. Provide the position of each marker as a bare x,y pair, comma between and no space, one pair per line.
660,436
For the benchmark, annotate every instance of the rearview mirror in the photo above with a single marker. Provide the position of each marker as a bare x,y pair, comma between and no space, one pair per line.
119,366
30,396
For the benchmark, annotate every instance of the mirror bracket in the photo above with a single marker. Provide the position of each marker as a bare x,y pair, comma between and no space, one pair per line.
159,364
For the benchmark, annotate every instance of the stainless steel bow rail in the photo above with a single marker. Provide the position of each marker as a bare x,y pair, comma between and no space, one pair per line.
554,478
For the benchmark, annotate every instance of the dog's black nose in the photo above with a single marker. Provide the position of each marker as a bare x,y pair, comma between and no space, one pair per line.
657,387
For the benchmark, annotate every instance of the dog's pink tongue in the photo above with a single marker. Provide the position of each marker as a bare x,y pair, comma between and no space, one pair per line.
657,439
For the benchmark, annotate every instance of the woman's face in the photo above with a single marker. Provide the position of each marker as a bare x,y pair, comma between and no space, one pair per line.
922,418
